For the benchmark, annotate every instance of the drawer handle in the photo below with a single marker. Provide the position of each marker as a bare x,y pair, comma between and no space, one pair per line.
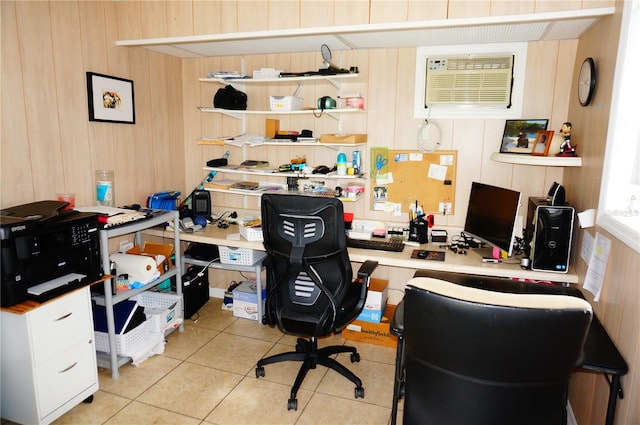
69,368
63,317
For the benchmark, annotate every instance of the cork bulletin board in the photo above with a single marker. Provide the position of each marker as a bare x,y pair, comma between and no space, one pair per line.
402,177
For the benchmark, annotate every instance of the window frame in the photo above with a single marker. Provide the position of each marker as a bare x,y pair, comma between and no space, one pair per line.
623,129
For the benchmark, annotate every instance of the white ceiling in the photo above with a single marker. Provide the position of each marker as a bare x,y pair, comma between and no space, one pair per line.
496,29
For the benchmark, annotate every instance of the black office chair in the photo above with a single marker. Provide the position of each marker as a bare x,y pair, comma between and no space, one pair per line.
310,292
478,357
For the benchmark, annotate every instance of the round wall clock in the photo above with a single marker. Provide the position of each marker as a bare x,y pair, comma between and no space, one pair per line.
586,81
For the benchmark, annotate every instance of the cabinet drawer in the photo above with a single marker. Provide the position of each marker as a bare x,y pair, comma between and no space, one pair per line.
61,324
65,376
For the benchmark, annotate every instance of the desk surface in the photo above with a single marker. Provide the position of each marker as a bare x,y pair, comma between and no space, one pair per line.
471,263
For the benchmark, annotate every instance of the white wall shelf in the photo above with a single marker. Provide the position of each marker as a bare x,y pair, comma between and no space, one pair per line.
333,113
568,24
546,161
333,79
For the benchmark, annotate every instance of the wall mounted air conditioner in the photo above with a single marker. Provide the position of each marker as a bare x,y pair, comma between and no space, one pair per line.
470,81
477,80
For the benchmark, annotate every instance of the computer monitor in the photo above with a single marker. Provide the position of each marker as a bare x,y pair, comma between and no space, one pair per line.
492,215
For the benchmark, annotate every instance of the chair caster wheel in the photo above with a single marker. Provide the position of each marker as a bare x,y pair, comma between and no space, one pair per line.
355,357
359,392
88,399
259,372
292,404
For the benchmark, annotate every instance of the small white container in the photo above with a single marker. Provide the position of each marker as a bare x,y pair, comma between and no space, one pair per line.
285,103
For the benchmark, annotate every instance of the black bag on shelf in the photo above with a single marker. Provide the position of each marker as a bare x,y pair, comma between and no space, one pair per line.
230,98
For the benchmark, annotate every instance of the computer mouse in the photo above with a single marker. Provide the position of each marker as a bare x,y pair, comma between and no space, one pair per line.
321,169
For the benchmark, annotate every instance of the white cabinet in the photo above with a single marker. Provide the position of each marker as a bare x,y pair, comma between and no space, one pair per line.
48,358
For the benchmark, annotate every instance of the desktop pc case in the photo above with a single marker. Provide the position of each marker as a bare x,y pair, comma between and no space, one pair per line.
549,231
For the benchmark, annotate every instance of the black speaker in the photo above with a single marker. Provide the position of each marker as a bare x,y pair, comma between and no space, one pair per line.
556,194
201,203
549,230
195,289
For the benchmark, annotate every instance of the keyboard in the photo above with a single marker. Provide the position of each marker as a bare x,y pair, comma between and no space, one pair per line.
395,245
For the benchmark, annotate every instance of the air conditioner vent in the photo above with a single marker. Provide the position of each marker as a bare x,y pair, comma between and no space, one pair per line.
481,81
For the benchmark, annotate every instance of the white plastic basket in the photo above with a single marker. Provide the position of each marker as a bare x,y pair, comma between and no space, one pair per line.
243,256
251,233
126,344
285,103
163,311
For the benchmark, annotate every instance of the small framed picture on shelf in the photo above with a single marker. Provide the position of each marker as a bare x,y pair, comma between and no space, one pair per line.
518,136
110,99
542,143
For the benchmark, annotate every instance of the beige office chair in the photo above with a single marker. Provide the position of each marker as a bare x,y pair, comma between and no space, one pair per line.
479,357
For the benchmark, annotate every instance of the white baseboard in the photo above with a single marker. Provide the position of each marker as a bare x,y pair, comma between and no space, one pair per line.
216,292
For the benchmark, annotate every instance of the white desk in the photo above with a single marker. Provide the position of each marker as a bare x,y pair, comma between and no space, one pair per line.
471,263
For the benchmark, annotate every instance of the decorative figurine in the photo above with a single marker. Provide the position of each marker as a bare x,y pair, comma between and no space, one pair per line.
566,149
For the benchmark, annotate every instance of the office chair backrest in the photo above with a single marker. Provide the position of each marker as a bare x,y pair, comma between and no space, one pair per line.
482,357
308,268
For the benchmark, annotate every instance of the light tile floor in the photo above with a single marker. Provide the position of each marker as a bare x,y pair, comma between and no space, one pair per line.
207,376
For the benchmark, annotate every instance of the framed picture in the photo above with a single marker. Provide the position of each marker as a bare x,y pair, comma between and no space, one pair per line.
110,99
519,135
542,143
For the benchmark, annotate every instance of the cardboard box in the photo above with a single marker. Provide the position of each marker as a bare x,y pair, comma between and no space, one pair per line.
376,301
347,138
373,333
153,250
245,303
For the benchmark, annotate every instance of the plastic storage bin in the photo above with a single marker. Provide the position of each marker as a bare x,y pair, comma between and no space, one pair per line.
285,103
163,311
244,256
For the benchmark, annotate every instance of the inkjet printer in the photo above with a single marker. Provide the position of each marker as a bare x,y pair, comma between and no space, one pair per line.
47,250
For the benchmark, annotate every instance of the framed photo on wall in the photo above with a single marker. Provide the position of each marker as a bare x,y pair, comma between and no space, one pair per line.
519,135
542,143
110,99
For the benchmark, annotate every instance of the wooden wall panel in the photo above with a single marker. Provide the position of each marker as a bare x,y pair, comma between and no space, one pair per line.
315,13
16,173
65,37
36,55
420,10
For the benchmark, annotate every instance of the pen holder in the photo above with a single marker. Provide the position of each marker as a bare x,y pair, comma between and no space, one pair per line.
419,230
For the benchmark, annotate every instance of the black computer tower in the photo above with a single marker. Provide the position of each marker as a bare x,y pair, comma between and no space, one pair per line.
549,231
195,289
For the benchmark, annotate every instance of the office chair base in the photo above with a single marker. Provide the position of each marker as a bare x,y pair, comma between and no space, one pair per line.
310,355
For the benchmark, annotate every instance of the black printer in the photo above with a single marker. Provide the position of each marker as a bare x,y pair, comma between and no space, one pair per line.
47,250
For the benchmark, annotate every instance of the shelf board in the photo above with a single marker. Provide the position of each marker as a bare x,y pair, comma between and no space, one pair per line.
560,25
547,161
221,142
271,173
284,80
233,112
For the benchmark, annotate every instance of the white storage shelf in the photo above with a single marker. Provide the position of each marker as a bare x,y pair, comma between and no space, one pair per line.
548,161
111,359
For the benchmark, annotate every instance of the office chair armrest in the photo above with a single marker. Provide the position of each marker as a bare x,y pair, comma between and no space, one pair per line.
397,323
366,270
364,273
